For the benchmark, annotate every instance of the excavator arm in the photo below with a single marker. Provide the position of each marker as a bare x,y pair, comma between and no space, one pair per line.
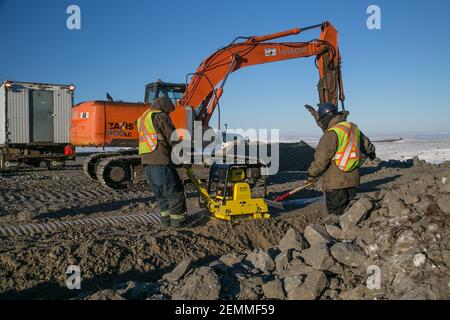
203,93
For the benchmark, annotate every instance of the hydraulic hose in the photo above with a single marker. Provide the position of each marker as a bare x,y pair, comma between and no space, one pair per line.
31,229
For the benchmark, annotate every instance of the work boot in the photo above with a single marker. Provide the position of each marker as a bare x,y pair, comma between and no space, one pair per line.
165,219
177,220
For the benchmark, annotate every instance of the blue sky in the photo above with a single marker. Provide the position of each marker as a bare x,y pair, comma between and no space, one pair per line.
397,79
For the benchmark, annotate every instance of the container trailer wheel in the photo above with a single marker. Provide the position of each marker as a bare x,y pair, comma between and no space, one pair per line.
55,164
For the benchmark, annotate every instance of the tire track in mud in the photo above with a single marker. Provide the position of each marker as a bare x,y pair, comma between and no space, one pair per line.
40,193
43,196
116,220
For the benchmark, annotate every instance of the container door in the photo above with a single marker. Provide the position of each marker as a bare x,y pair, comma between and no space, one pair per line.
41,115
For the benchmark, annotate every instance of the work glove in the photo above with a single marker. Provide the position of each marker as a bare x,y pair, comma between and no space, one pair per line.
311,180
314,114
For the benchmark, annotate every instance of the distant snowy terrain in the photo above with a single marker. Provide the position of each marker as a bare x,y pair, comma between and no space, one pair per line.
433,148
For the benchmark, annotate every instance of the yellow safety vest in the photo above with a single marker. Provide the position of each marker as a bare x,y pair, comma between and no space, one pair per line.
148,137
348,153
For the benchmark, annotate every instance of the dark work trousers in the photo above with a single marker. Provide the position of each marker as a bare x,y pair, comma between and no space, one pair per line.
165,183
338,199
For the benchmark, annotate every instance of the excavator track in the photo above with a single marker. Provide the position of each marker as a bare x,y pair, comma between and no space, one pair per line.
123,170
126,172
92,161
117,172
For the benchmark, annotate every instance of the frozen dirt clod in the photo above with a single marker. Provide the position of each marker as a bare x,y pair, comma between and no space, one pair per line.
179,271
444,185
273,290
356,213
313,286
334,231
317,235
419,259
295,268
396,208
261,260
443,202
292,282
410,199
282,262
232,259
318,257
406,242
250,288
348,254
202,284
292,240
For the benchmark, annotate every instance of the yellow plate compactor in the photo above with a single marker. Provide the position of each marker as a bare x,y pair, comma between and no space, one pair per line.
229,192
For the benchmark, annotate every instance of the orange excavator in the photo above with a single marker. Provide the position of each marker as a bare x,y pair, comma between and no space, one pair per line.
109,123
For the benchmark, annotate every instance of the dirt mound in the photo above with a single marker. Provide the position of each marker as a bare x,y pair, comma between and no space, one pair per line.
295,156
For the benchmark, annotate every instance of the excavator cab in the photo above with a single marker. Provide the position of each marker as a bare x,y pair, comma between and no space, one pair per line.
173,91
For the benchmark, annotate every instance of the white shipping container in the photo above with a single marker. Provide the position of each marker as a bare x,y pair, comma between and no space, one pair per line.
35,113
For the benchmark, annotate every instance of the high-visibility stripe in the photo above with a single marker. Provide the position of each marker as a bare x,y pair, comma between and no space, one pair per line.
179,216
348,150
344,128
353,155
147,140
165,213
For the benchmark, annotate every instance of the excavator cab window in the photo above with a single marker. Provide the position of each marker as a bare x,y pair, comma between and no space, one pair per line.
173,91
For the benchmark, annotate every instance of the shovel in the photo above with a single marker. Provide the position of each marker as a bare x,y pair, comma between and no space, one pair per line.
277,202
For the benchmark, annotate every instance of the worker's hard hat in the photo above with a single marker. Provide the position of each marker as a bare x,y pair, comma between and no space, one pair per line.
326,108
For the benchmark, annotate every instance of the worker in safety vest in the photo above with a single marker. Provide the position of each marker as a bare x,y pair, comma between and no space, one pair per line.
339,154
155,129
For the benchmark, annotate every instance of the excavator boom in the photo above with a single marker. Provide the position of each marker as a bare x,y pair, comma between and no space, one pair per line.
202,93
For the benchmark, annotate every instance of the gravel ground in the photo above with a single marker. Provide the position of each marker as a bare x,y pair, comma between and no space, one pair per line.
35,266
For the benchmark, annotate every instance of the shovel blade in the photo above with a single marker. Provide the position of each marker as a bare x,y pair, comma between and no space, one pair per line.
274,204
